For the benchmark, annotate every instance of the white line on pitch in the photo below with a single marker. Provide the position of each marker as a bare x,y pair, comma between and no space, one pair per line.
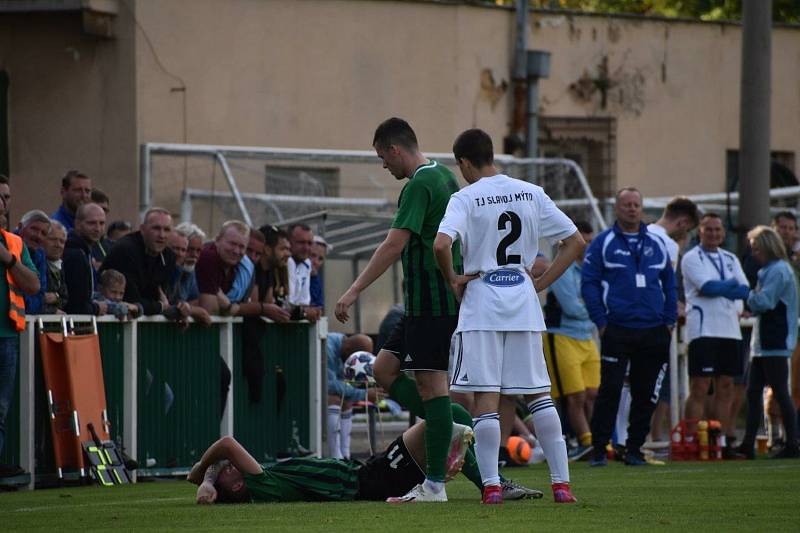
126,502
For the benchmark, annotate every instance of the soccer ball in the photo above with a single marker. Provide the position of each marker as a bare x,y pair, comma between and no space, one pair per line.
519,450
358,367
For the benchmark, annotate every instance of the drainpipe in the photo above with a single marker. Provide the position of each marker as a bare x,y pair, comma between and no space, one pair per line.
538,66
514,142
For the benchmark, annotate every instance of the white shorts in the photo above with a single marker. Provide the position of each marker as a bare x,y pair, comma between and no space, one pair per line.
508,362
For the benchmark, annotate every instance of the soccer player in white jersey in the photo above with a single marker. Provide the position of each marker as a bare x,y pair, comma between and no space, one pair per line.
715,286
498,347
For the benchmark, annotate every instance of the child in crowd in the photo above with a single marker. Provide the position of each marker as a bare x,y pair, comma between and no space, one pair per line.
112,290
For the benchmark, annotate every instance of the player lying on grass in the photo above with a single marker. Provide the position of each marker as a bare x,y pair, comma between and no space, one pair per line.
227,473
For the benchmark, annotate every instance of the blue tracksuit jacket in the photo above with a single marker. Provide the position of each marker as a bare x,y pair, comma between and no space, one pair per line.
609,287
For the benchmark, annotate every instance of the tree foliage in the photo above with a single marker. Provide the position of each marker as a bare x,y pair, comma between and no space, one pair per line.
782,10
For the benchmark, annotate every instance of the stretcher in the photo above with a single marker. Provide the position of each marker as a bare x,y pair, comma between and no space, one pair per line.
76,399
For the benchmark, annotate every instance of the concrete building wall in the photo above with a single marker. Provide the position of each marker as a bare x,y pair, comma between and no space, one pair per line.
315,74
275,74
674,91
72,105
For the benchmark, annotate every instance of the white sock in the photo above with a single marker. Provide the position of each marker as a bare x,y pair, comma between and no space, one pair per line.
623,413
434,486
334,412
344,433
548,432
487,446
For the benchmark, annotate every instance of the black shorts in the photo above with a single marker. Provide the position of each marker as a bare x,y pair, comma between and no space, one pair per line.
714,356
391,473
422,343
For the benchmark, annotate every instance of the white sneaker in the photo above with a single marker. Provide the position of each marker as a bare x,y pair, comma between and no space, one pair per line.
515,491
419,494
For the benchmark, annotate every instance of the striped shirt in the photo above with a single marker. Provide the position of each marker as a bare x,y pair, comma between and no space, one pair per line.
421,208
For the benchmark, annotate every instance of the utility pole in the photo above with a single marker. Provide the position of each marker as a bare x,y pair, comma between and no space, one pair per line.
754,125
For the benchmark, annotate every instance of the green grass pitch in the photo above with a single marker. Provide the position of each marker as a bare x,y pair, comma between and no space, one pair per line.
758,495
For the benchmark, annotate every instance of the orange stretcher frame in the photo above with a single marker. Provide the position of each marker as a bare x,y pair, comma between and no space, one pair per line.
76,396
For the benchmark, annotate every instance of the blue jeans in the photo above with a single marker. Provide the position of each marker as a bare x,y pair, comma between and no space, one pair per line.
9,349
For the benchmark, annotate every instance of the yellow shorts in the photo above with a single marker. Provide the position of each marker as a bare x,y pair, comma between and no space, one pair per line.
577,365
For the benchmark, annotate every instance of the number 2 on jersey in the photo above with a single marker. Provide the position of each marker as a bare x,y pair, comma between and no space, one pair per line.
508,240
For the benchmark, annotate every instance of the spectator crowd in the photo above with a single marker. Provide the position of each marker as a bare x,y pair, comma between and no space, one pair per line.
87,264
78,261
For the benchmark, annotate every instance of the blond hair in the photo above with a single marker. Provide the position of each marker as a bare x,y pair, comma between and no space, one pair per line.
769,242
240,226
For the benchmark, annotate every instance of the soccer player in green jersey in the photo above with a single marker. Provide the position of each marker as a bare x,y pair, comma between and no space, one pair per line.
227,473
421,340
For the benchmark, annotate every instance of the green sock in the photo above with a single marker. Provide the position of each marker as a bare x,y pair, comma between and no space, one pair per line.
404,391
438,431
460,415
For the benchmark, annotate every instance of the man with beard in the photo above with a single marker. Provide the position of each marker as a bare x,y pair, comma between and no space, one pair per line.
271,275
182,286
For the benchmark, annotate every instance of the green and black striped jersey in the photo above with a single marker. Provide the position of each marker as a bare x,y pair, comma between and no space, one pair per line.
304,479
421,207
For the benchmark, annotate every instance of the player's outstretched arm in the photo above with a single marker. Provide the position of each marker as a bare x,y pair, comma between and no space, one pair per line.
385,255
569,250
225,448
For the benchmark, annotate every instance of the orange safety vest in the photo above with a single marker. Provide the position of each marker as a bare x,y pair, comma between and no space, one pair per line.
16,303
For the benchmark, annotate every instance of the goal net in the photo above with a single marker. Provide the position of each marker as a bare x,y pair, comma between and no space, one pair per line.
211,184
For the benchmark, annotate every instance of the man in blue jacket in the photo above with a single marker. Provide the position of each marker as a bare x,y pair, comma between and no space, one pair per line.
628,286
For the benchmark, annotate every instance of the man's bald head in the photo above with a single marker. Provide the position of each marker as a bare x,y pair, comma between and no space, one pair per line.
356,343
90,222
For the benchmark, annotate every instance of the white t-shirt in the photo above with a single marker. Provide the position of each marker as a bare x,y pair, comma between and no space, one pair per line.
672,247
714,316
299,282
499,221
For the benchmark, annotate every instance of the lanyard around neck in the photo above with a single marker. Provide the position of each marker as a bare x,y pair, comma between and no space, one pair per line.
637,255
720,268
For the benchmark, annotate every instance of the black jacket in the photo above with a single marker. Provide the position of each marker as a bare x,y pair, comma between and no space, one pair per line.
78,276
144,274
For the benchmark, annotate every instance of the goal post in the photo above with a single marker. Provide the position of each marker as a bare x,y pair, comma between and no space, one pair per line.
269,185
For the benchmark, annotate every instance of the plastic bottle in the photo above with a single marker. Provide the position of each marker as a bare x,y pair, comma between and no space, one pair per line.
677,449
702,437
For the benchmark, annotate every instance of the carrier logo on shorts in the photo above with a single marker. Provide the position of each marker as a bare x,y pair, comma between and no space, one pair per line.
504,278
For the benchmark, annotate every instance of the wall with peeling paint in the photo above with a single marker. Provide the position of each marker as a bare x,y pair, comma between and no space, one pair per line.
673,88
323,73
